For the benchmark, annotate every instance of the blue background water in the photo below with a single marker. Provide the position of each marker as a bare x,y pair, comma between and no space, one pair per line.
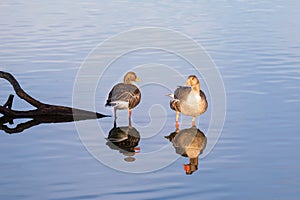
256,47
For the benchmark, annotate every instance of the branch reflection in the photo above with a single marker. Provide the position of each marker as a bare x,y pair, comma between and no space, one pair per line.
20,127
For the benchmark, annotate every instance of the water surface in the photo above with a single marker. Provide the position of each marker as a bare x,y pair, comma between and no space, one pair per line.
256,47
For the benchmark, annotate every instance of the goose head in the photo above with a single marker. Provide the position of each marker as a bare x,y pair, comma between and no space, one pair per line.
194,82
131,77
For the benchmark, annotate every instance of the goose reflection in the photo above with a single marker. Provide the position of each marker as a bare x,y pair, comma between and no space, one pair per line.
189,143
125,139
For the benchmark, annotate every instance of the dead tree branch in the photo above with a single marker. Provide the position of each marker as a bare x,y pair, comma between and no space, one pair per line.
43,111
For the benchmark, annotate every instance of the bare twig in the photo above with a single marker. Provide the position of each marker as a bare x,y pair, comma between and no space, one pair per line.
9,102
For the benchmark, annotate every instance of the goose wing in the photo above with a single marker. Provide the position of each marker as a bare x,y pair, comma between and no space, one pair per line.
124,92
204,103
180,94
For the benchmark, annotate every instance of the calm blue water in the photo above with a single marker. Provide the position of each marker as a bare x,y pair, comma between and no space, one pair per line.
255,46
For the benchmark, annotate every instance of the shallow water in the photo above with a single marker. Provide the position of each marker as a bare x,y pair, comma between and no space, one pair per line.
256,48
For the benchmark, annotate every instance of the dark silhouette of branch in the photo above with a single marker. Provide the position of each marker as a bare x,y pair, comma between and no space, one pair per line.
44,113
19,91
9,102
19,128
33,122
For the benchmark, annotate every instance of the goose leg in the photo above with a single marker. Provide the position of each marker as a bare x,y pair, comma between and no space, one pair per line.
177,117
129,118
115,117
193,121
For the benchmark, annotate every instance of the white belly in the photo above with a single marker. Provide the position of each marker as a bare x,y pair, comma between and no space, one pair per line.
191,106
120,105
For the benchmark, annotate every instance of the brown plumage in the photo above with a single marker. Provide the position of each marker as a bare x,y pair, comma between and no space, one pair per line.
126,140
175,105
189,100
124,95
190,143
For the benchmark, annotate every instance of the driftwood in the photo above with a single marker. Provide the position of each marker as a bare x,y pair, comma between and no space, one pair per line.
44,113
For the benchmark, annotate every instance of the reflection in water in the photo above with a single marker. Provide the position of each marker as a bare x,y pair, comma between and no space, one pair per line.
189,143
37,120
125,139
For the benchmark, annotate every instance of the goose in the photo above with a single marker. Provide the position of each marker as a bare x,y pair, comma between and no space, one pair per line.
125,139
126,95
189,143
189,100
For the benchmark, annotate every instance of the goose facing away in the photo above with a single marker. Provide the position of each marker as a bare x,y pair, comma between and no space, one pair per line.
126,95
189,100
125,139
